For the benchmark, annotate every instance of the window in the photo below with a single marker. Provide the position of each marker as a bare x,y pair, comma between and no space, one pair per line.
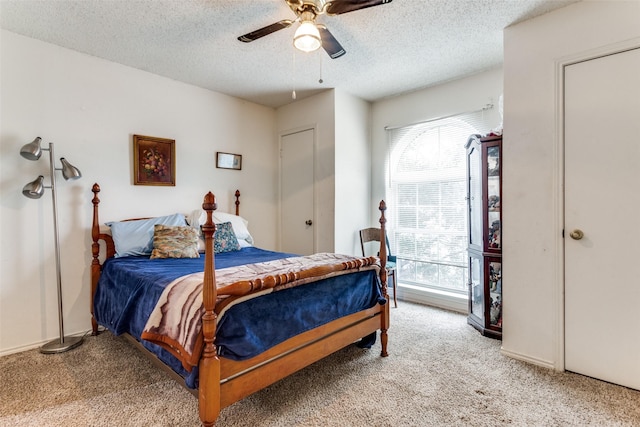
427,188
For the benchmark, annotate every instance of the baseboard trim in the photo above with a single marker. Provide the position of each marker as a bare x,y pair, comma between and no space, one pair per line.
20,349
528,359
31,346
440,299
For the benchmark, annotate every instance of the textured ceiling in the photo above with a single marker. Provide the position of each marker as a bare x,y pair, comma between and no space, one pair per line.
394,48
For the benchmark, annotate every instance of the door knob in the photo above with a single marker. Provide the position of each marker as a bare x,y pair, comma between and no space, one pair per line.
576,234
308,222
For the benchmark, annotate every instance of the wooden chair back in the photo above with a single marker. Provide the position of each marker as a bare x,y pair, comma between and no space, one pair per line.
372,235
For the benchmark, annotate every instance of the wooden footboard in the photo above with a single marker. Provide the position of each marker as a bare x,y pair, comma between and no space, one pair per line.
223,381
242,378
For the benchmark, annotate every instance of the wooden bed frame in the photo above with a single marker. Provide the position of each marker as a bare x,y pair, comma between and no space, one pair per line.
223,382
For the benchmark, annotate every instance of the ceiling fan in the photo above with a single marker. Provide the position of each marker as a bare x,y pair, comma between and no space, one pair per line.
311,36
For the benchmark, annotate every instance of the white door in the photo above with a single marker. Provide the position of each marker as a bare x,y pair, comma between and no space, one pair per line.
296,189
602,200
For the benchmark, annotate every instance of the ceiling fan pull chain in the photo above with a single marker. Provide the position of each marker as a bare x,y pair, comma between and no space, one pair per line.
320,81
293,77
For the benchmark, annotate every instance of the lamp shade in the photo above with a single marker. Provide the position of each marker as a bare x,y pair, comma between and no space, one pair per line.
34,189
69,171
307,37
32,150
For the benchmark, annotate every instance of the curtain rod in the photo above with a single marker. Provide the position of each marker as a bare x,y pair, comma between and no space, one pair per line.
486,107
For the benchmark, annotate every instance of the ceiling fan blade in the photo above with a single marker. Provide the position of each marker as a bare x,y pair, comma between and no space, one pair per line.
254,35
329,43
337,7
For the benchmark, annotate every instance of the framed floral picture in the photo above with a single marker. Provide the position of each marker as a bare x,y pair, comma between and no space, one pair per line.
154,161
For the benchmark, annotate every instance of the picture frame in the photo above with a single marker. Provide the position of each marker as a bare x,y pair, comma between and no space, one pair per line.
228,161
154,161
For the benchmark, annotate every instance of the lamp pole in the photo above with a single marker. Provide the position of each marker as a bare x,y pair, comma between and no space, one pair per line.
63,343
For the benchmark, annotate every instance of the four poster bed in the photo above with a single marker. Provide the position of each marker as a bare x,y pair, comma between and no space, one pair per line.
240,319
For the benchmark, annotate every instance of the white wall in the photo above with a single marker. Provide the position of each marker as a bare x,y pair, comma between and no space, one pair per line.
90,108
532,168
353,172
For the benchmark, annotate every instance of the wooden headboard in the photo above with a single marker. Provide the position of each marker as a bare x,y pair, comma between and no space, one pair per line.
110,249
97,235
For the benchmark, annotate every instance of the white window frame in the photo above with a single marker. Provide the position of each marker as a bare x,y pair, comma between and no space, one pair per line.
399,138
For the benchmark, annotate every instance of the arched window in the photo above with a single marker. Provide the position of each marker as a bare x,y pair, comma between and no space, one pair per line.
427,168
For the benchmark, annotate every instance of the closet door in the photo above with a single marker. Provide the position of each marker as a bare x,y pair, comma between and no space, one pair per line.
297,193
602,233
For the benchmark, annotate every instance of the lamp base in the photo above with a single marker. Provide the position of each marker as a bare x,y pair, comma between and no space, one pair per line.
56,346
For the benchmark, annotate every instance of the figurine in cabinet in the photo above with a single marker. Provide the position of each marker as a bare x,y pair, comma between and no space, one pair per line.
494,234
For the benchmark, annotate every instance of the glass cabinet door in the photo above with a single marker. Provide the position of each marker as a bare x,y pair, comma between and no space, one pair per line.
475,196
494,279
494,240
476,287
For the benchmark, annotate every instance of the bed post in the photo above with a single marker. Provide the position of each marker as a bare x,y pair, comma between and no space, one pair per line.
237,202
209,375
95,250
383,279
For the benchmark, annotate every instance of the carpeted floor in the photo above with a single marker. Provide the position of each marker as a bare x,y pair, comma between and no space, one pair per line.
440,372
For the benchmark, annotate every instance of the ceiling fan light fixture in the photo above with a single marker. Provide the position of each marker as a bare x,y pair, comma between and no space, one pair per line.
307,37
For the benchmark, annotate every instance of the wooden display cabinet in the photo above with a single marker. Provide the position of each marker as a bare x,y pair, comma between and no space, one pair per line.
484,197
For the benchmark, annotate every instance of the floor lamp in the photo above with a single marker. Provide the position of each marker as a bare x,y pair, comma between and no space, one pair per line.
35,190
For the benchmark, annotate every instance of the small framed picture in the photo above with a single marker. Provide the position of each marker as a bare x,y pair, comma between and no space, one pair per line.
228,161
154,161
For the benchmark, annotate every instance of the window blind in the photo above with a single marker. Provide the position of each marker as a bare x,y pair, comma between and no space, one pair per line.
427,175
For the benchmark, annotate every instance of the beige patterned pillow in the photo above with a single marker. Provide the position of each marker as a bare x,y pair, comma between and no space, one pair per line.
174,242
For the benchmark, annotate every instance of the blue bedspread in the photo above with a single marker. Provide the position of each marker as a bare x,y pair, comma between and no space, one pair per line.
129,288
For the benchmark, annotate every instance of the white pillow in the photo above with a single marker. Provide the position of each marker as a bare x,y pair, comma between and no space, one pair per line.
136,237
196,218
240,225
